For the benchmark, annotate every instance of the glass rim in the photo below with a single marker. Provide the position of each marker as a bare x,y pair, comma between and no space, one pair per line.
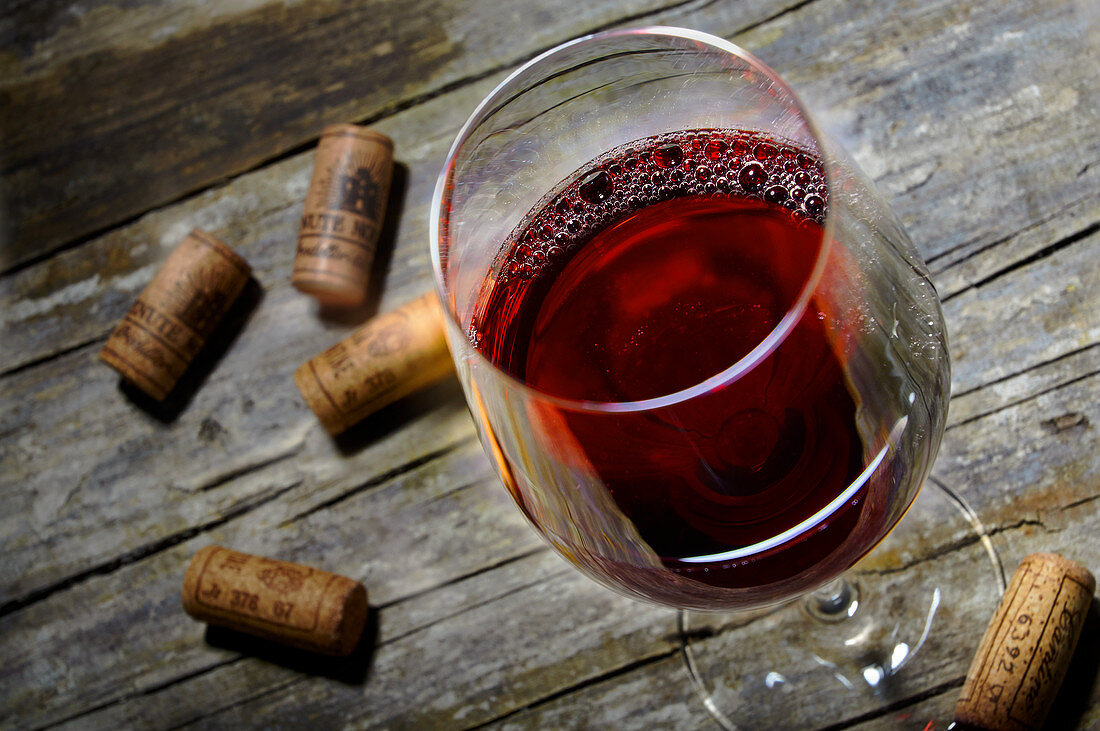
733,372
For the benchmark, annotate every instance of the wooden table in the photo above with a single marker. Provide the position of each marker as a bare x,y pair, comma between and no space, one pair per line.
124,125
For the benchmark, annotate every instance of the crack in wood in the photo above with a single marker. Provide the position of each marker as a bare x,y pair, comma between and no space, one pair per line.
933,555
223,479
1079,503
1062,243
236,703
398,471
44,359
1025,399
586,683
1062,210
642,663
956,545
463,577
138,554
565,571
1024,371
775,16
151,690
490,478
899,705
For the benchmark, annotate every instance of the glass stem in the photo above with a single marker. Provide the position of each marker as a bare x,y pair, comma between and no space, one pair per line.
836,601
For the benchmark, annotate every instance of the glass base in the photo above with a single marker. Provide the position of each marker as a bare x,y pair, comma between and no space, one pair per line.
902,622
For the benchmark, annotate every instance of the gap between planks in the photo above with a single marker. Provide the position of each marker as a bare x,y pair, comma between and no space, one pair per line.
396,603
174,539
1048,250
383,112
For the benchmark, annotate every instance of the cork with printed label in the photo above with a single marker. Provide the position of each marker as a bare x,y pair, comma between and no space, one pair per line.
1026,649
343,215
391,356
176,313
280,601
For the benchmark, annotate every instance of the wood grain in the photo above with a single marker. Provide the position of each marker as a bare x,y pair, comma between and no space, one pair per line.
53,297
243,89
265,431
978,121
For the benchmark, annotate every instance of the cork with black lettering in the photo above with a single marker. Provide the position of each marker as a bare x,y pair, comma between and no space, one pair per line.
391,356
285,602
1027,646
176,313
343,214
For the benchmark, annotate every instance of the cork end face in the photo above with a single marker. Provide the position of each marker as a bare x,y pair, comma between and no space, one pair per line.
331,294
365,134
189,592
226,251
132,375
353,621
317,400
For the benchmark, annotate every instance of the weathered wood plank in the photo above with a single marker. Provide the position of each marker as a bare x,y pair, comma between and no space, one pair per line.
476,687
551,627
476,622
658,694
1032,466
416,532
77,297
219,98
664,688
256,408
284,350
77,500
140,482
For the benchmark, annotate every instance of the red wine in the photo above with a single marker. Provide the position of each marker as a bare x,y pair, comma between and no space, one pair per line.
653,268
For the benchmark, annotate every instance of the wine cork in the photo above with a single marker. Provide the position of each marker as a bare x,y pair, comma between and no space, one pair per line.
343,214
391,356
280,601
1027,646
177,311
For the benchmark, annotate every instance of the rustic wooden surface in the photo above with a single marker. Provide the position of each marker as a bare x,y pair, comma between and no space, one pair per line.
124,125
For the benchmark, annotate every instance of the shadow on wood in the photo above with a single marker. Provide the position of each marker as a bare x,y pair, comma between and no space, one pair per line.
1073,698
397,415
353,669
217,345
383,255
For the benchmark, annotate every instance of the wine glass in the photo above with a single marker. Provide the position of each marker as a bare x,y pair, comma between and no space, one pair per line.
701,352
